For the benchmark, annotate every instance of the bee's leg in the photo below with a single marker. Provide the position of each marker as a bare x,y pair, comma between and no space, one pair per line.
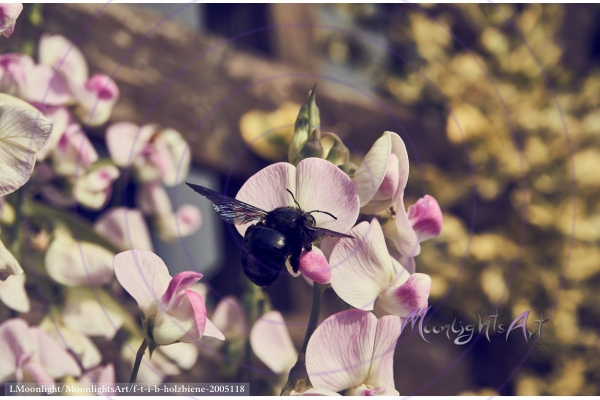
295,258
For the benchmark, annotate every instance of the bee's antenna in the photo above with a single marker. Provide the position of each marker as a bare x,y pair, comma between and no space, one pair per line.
324,212
290,192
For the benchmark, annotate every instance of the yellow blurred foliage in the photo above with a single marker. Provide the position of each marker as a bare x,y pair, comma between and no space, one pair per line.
268,134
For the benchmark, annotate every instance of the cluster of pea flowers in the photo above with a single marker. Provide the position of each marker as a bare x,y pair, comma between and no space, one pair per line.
43,106
375,271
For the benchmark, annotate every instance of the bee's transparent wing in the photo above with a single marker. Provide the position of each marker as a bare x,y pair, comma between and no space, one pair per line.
318,232
231,210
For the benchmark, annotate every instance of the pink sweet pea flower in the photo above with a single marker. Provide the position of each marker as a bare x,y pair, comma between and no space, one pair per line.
153,200
155,154
172,312
95,99
229,318
74,263
27,353
94,189
96,96
124,228
317,185
8,18
338,358
381,178
80,345
271,343
21,77
365,276
13,293
74,154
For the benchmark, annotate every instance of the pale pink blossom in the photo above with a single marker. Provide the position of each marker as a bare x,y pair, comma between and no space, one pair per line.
94,189
125,228
74,154
153,200
21,77
229,318
80,345
353,351
29,354
271,343
155,154
75,263
172,312
365,276
8,17
61,117
85,312
95,96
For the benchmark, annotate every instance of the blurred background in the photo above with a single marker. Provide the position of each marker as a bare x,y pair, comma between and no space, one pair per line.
498,107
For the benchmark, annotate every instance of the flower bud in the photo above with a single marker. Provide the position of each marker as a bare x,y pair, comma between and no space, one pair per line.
339,153
308,120
312,148
426,218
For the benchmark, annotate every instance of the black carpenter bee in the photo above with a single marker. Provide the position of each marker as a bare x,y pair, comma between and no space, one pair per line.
278,236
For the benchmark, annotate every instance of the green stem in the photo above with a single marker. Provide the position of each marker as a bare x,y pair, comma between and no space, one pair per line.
318,290
137,363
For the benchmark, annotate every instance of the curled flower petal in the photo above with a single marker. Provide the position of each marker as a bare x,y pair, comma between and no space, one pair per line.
22,133
361,268
364,390
13,293
185,323
407,297
145,277
272,344
426,218
8,263
370,174
73,263
124,228
8,18
172,157
177,287
313,265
